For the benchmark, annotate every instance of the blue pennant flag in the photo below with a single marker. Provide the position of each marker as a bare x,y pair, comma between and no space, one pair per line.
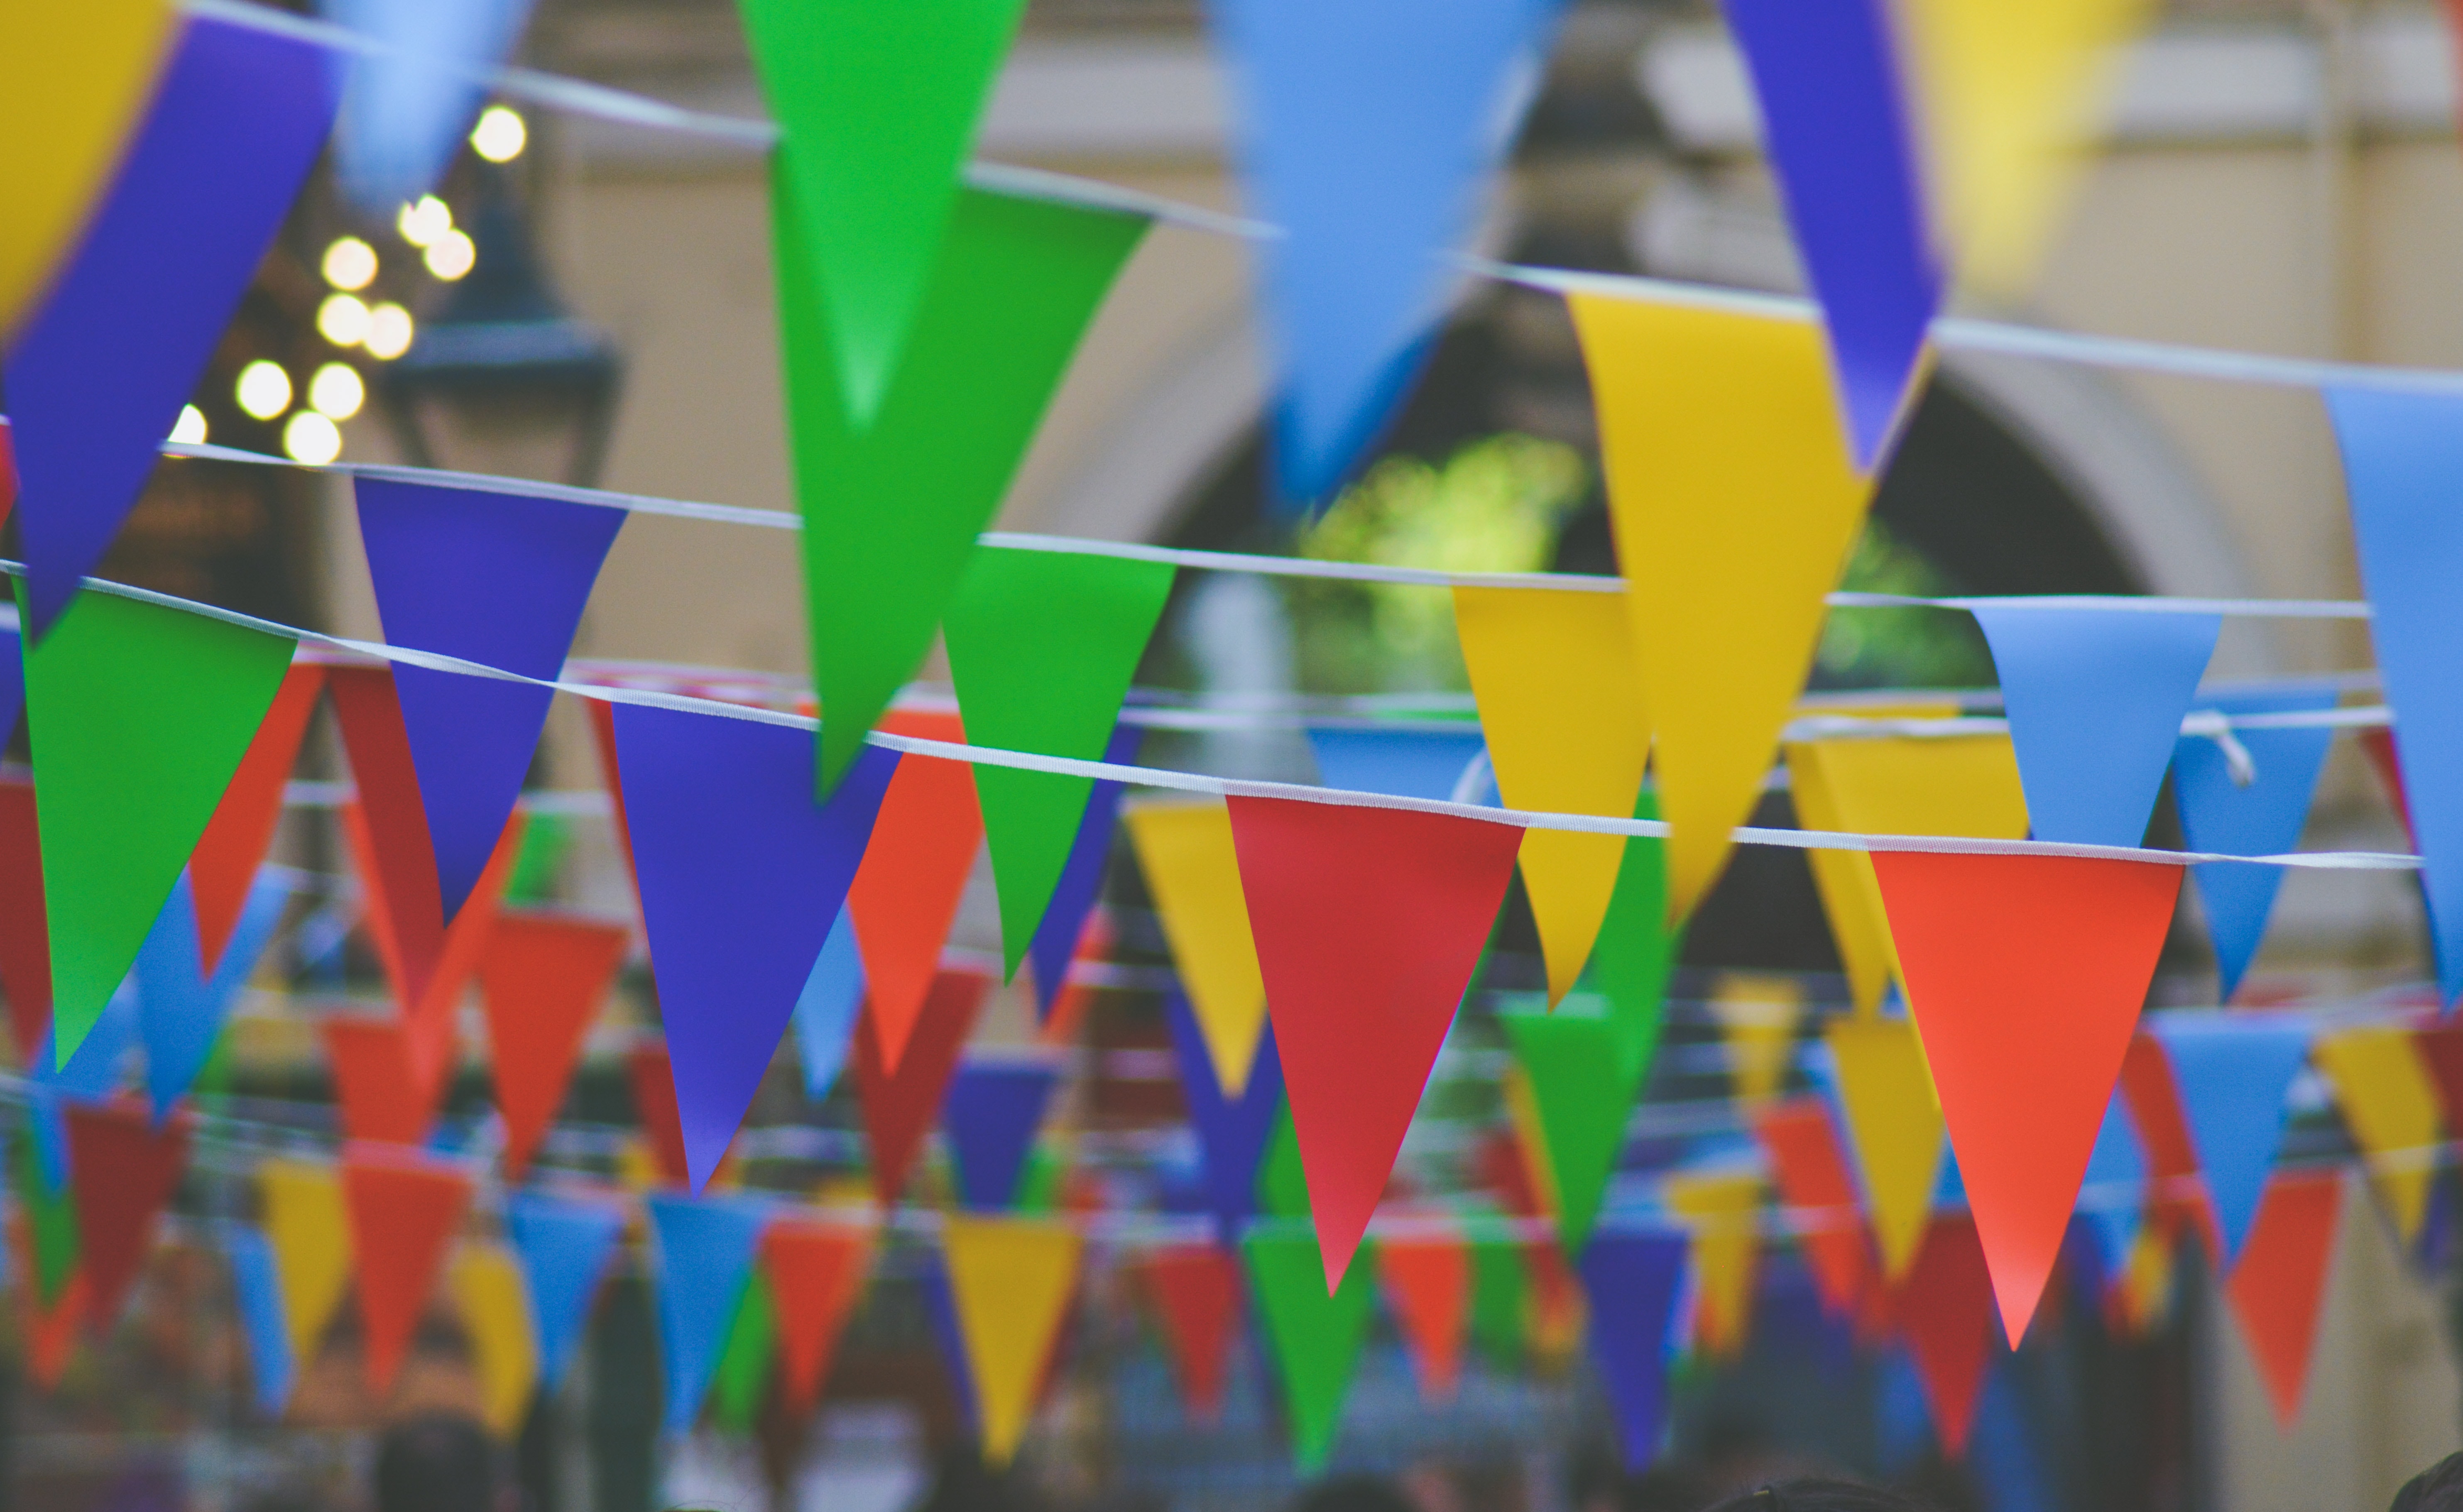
495,578
1232,1135
2113,1195
741,878
98,374
1082,877
405,108
256,1276
1633,1279
1836,128
702,1257
1400,764
13,679
2095,699
181,1007
564,1245
825,1010
2233,1072
1368,130
2403,458
991,1115
2256,810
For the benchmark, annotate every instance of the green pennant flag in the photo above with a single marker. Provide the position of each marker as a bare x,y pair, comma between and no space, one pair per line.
1283,1181
891,508
51,1224
139,715
1499,1301
1636,950
1042,645
1315,1338
743,1372
878,104
1576,1064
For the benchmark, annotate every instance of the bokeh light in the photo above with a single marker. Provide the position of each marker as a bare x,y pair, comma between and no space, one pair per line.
451,255
190,427
337,392
389,330
263,390
342,319
501,134
350,263
423,223
311,437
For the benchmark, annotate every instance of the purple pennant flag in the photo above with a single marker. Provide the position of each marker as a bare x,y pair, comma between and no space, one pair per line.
1632,1280
1232,1135
741,874
96,377
12,682
1082,877
495,578
992,1113
1835,123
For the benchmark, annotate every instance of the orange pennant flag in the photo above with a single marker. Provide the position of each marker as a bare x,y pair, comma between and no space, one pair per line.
1944,1310
1428,1284
1820,1192
2279,1284
2025,975
377,1080
906,894
405,1210
224,865
817,1271
543,979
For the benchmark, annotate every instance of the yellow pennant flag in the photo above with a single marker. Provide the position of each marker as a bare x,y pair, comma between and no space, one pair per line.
496,1306
2011,95
1723,1209
1734,501
1758,1013
2146,1286
75,81
1193,871
1009,1282
311,1235
2391,1106
1964,784
1894,1122
1568,732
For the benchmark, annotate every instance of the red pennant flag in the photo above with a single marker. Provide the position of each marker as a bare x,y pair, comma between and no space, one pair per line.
2280,1279
124,1170
2441,1050
2175,1199
900,1107
1196,1292
405,1210
1814,1180
388,830
385,1098
1945,1312
1428,1285
543,979
25,942
653,1081
1368,924
224,865
817,1272
2025,975
433,1019
905,894
602,735
51,1332
2379,743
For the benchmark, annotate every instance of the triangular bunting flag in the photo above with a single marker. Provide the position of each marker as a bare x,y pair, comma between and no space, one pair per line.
2260,813
1193,868
1568,732
992,1112
96,373
1196,1292
1427,1281
543,979
700,1261
906,893
387,829
564,1244
2441,1054
1723,1211
741,874
817,1270
1734,500
2112,1199
2163,1132
1416,762
51,1332
1051,684
2025,975
826,1010
1837,131
1946,1314
1064,929
311,1235
25,942
223,867
1011,1279
1312,1332
1232,1132
384,1099
493,577
1576,1073
412,96
180,1008
405,1211
1820,1194
1758,1014
2280,1284
899,1107
1500,1300
1634,1279
124,1170
743,1369
142,714
256,1284
1636,949
2232,1074
2391,1107
1010,290
1894,1123
1368,924
2095,702
1369,132
495,1307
